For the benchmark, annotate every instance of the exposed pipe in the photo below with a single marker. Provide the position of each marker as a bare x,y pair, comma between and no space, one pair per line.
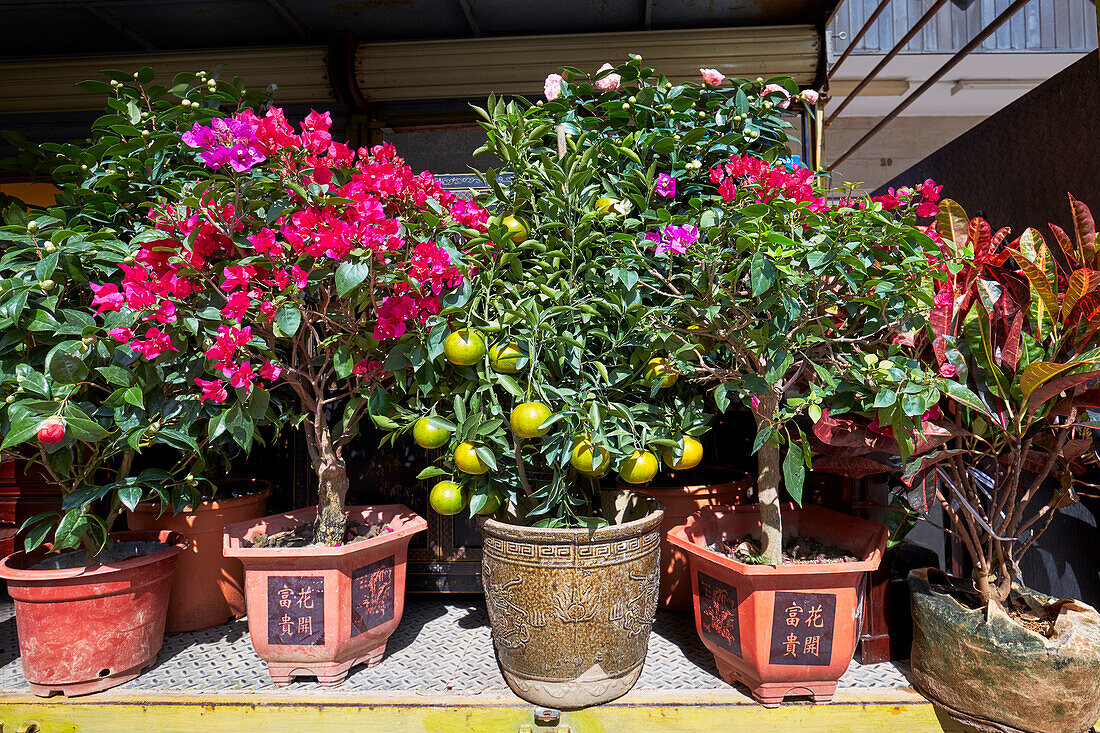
859,36
889,57
951,63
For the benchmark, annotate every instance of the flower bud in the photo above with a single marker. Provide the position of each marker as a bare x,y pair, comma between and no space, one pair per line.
9,399
32,226
51,430
46,285
50,247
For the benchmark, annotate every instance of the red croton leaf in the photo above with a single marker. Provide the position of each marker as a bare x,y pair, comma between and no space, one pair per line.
850,466
1085,229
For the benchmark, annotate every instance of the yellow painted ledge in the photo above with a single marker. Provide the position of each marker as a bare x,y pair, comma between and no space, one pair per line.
667,711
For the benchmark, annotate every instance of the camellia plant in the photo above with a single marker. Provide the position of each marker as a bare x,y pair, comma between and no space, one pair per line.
80,408
291,259
554,375
796,294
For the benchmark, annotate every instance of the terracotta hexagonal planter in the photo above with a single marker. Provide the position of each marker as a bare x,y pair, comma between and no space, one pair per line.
83,630
780,629
208,587
728,488
318,611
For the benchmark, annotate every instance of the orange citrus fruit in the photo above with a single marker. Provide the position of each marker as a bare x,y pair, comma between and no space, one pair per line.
464,347
517,230
503,357
589,459
658,368
427,435
693,454
638,468
468,461
447,498
527,417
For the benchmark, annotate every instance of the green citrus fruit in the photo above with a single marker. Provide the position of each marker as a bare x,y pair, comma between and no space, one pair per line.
590,459
464,347
657,368
503,357
468,461
492,504
447,498
638,468
527,417
517,230
693,454
428,436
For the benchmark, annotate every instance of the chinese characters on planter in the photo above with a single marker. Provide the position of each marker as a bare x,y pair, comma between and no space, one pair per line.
295,610
802,628
371,596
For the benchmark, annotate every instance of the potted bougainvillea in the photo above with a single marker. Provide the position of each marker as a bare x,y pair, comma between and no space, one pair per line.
794,293
286,259
547,374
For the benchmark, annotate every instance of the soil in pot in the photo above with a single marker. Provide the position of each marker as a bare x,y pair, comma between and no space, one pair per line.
118,552
796,551
303,535
989,669
86,629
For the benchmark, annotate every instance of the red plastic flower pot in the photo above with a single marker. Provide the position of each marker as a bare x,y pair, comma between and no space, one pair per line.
208,588
680,502
319,611
83,630
780,629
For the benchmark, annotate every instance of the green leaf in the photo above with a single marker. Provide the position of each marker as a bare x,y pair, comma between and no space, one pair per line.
794,471
763,273
65,368
287,320
70,529
349,275
431,472
84,429
963,395
130,495
135,396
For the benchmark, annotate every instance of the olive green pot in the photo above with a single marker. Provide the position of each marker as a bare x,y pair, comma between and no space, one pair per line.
571,609
995,675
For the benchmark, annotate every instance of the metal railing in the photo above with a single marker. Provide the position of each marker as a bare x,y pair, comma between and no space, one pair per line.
1047,26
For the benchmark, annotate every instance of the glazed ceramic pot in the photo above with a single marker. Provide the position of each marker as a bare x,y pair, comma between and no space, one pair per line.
571,609
86,629
207,588
780,629
318,611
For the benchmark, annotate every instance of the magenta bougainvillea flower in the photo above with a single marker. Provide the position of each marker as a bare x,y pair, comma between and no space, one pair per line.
665,186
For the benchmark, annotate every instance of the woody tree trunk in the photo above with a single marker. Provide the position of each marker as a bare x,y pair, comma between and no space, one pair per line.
767,484
332,482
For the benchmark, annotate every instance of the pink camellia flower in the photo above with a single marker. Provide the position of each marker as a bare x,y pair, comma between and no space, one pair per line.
777,89
810,96
712,77
51,430
107,297
122,334
608,83
947,369
552,87
213,389
665,186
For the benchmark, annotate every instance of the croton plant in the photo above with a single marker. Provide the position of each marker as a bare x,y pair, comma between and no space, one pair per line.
1015,347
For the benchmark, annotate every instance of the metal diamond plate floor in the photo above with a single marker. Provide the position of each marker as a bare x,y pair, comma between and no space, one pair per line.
443,645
